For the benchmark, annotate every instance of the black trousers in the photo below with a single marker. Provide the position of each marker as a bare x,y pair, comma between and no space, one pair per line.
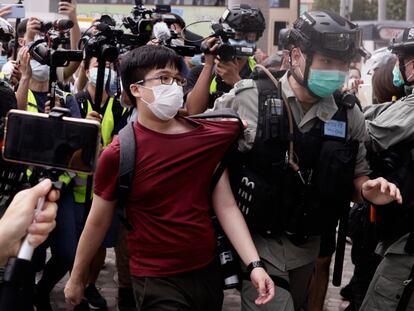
197,290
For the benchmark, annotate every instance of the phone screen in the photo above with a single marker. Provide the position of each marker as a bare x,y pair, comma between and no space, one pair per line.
68,144
17,11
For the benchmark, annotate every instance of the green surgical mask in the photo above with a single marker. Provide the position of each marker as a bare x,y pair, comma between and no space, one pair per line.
396,77
324,83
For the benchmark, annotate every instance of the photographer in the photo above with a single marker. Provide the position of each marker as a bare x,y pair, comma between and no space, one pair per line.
207,83
172,245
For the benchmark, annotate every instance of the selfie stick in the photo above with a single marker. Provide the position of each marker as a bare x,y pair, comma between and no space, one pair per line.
16,41
26,250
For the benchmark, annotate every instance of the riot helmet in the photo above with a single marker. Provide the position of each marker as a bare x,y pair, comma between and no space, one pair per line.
326,33
243,18
6,30
403,47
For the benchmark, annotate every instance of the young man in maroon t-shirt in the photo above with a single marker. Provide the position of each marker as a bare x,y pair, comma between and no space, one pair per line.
172,246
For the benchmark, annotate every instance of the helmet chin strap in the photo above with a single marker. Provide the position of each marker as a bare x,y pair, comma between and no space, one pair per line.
304,81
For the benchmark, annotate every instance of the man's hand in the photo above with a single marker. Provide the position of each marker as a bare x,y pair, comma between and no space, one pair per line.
5,10
93,115
24,63
20,219
68,9
379,191
211,44
228,71
263,284
32,29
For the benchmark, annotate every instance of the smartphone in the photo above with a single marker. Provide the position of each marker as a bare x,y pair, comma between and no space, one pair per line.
54,5
63,143
17,11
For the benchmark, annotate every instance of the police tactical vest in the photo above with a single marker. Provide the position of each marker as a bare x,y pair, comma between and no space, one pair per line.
271,195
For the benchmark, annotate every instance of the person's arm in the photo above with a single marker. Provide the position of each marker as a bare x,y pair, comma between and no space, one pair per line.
17,221
96,226
32,29
26,74
198,97
81,79
69,9
235,227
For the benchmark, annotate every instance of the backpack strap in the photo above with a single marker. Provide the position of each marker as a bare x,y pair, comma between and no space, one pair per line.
127,155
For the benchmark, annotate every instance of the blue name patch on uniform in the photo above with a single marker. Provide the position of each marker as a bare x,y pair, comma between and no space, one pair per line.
335,128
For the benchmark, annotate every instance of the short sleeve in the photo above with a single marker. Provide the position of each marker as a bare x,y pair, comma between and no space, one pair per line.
106,175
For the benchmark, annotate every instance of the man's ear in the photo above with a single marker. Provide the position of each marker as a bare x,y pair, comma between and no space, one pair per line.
295,57
135,90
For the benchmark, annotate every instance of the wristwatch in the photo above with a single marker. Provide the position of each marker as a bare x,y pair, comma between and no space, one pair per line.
255,264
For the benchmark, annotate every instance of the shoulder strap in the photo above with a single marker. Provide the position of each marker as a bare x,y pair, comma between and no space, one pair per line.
127,154
221,113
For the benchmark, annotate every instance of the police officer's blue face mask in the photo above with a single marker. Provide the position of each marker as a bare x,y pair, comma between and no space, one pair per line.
324,82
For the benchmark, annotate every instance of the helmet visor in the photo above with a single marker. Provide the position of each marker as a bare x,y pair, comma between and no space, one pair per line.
341,42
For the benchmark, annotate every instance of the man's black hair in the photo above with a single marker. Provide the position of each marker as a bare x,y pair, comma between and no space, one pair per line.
136,64
21,28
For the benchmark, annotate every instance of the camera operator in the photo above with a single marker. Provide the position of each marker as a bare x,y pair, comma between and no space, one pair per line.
216,76
293,175
17,221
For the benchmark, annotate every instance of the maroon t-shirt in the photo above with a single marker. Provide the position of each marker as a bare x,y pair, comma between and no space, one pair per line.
169,207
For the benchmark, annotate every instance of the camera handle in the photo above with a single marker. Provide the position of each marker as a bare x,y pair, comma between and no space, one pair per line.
52,84
16,41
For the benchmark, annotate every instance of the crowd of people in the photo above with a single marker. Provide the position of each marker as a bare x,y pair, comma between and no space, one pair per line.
274,147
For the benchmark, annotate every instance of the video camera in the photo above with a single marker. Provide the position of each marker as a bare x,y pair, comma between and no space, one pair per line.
46,50
108,41
141,20
229,47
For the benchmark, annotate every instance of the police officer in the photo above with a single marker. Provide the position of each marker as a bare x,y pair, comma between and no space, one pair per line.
205,83
391,135
302,155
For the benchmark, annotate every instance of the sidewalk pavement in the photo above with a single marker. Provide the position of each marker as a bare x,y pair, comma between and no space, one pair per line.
107,286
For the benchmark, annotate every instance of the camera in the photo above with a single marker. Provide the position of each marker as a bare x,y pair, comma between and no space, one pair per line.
142,20
229,47
108,41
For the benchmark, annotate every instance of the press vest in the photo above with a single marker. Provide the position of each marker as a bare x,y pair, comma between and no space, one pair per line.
271,195
107,127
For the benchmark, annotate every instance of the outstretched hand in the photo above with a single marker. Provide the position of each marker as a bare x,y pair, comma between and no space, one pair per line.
380,191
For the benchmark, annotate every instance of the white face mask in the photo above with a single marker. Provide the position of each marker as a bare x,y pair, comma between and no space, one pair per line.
39,72
167,100
93,75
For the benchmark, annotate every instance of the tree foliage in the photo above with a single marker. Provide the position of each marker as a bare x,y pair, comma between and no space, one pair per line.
366,9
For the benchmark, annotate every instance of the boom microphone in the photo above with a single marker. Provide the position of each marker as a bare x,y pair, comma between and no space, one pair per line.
161,31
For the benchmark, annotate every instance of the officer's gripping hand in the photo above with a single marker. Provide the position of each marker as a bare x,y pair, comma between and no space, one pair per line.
380,191
263,284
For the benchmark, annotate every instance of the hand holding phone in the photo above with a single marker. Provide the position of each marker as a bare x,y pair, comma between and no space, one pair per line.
12,11
66,7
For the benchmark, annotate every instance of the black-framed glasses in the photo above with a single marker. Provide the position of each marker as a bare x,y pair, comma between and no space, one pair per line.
167,80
